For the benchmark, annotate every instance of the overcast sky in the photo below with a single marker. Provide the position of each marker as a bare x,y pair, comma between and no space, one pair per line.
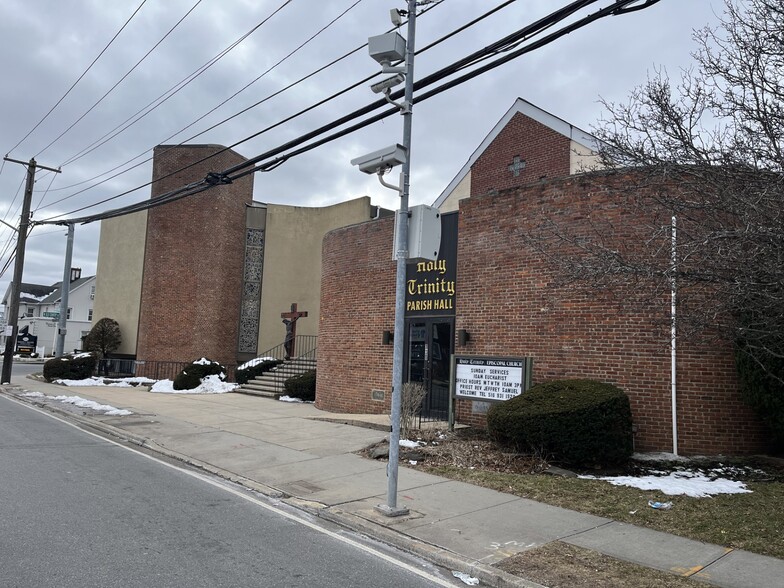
45,45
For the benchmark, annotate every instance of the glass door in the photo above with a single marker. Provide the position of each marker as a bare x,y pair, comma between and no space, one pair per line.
429,352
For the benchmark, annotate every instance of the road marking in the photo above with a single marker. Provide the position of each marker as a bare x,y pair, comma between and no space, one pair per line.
292,517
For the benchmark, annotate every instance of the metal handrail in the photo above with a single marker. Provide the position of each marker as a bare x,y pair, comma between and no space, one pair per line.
305,347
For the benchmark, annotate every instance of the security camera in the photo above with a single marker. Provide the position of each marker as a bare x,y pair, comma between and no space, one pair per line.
381,160
388,83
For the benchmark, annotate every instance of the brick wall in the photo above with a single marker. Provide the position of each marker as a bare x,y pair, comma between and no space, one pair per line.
357,306
193,261
511,301
545,152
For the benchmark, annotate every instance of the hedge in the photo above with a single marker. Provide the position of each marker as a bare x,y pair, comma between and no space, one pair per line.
191,377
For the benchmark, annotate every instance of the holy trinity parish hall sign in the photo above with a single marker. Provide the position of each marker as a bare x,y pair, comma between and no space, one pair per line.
430,285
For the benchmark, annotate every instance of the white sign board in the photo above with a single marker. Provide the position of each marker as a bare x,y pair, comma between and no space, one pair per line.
489,378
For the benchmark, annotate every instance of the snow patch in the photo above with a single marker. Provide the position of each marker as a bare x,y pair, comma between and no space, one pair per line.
209,385
253,362
684,483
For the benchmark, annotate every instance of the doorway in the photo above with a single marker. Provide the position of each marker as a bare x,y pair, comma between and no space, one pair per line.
429,346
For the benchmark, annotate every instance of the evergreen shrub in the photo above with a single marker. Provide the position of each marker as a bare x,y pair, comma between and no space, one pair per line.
191,377
70,367
302,386
256,367
577,422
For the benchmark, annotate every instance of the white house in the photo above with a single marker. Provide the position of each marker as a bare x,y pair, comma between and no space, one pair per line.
39,310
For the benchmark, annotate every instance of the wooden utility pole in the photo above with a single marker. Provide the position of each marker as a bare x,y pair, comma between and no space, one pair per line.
16,283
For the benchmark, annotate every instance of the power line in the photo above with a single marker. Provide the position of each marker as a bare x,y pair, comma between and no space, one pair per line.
129,72
271,68
79,79
255,164
270,127
160,100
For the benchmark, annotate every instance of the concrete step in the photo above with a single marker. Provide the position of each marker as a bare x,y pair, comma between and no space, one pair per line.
271,384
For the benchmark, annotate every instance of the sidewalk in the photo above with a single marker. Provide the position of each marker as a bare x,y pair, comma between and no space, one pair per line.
287,451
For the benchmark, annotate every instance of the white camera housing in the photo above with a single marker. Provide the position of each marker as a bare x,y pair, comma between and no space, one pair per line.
381,160
387,48
388,83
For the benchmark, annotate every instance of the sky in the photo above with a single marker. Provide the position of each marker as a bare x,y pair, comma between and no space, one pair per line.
45,46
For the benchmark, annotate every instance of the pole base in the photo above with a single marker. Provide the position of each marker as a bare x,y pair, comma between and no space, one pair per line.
389,511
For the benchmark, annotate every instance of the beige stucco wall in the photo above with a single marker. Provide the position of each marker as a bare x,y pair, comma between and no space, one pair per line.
582,159
292,263
462,190
118,282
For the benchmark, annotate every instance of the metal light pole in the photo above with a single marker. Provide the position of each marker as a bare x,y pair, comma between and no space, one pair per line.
64,290
401,247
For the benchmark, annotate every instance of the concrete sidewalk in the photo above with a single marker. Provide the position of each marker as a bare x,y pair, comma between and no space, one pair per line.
286,450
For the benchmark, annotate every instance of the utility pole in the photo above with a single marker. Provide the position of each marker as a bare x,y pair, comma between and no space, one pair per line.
16,283
391,508
65,287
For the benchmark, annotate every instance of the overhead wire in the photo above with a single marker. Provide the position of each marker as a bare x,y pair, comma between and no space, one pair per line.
79,79
270,69
123,78
255,164
283,121
161,99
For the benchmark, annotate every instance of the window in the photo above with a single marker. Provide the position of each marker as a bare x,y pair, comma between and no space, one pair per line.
68,315
90,315
92,293
30,311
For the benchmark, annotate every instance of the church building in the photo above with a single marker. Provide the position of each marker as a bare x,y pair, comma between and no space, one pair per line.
493,293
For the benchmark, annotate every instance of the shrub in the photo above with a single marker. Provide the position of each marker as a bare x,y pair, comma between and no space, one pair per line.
760,377
302,386
410,403
190,377
579,422
104,337
255,367
70,367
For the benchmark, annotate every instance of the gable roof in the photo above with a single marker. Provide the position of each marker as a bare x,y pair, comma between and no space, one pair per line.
54,297
534,112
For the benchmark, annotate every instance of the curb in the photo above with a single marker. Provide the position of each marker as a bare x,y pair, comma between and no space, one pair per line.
438,556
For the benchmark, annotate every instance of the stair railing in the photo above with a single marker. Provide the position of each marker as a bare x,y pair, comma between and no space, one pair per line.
305,347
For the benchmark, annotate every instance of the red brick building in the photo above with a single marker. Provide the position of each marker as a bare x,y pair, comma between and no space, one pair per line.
506,298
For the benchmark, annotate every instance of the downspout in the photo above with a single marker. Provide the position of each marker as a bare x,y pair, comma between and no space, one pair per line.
673,372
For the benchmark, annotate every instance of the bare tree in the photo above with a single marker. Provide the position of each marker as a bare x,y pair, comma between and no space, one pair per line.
708,152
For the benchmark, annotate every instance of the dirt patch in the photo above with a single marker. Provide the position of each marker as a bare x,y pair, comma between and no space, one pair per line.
560,565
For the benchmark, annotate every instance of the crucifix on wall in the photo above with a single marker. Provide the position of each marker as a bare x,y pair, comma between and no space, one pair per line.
290,320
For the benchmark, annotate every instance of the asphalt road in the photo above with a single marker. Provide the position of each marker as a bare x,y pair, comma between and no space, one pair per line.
79,511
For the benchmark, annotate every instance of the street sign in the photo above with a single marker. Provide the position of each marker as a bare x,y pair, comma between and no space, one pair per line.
54,315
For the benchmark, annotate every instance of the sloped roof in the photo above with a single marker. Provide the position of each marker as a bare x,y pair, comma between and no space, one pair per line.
534,112
31,293
54,297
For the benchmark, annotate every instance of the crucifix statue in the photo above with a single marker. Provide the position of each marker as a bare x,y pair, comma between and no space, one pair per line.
290,320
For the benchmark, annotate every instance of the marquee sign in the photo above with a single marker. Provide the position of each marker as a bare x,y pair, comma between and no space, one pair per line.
430,285
491,378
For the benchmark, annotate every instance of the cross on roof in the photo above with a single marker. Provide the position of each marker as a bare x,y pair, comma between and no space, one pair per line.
517,165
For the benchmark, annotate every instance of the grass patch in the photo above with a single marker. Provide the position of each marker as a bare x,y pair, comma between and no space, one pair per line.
753,522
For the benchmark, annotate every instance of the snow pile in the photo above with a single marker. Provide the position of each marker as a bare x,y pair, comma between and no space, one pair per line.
254,361
410,444
285,398
209,385
115,382
82,403
682,482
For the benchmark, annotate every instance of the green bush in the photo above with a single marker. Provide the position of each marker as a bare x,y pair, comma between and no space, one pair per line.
248,371
70,367
191,377
761,387
578,422
302,386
